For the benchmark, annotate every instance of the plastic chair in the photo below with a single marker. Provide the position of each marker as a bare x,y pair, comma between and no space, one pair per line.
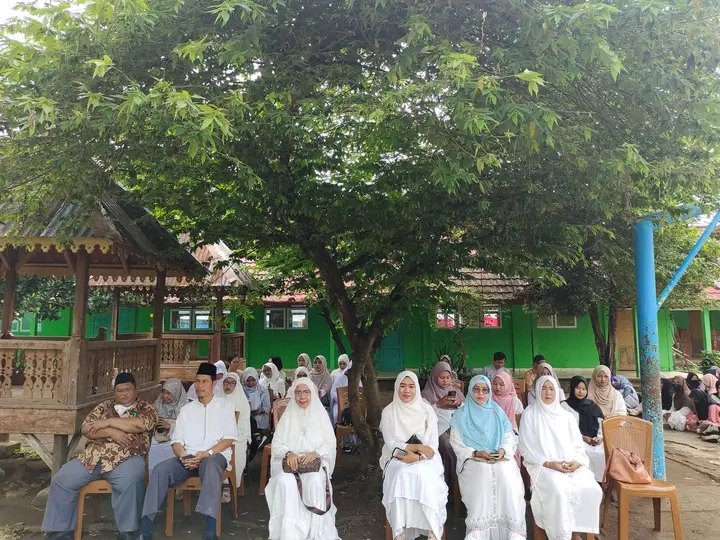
194,484
343,431
635,435
278,408
96,487
389,534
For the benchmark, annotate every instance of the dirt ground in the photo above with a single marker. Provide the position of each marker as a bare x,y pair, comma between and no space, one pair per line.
692,466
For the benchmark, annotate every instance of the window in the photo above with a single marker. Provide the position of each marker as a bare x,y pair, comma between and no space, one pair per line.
557,321
546,321
202,320
445,319
565,321
20,325
487,317
275,318
298,318
180,319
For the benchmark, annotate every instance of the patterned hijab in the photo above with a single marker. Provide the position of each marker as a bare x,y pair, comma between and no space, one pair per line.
433,391
481,427
172,409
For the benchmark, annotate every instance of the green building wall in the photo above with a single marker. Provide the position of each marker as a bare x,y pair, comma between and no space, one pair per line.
416,341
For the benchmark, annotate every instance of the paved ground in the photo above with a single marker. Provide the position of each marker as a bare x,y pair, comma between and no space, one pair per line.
693,465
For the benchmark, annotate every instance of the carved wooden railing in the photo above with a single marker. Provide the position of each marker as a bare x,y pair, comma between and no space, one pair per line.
233,344
104,358
181,348
42,365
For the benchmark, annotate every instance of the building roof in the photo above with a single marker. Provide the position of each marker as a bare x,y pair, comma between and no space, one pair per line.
122,238
493,287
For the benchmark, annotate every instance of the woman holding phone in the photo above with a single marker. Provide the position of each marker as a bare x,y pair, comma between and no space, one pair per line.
565,496
485,443
440,392
414,493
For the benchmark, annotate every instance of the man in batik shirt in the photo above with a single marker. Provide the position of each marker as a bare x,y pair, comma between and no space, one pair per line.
118,432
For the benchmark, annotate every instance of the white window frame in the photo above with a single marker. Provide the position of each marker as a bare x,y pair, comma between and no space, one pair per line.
553,320
447,315
179,310
266,319
491,309
296,310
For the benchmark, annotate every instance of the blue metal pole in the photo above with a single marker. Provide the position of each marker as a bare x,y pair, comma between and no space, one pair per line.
688,260
648,338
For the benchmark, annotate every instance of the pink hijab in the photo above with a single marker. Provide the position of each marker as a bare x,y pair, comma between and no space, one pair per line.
506,400
433,391
710,380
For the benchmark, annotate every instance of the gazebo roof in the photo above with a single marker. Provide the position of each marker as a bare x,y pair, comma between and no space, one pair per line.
222,274
120,236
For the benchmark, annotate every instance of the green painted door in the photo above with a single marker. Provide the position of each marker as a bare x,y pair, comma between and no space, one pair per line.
390,354
101,320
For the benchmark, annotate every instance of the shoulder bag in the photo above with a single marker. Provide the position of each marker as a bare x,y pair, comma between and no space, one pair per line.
626,467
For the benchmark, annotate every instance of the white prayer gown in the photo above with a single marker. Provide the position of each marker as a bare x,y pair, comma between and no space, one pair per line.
493,494
241,406
595,454
301,431
414,495
562,503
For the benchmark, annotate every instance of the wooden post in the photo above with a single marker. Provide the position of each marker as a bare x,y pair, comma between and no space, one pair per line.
60,452
216,343
158,312
115,315
82,277
10,260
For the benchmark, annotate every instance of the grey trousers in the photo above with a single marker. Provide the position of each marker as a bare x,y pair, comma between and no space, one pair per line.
128,487
171,472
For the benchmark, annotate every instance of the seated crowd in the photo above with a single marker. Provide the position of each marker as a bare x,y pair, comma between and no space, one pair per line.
485,439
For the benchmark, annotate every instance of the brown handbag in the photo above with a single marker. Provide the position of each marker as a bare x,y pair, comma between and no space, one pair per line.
313,466
626,467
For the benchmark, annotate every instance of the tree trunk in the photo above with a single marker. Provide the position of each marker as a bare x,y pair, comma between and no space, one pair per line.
337,338
600,340
611,338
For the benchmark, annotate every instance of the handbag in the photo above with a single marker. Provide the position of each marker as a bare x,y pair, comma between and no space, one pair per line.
313,466
626,467
302,468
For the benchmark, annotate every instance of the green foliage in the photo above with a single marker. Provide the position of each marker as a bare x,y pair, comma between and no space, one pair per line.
709,359
369,151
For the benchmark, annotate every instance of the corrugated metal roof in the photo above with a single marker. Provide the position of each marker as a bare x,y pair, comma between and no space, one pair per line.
115,219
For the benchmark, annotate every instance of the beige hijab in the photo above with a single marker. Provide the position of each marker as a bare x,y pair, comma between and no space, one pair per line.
604,397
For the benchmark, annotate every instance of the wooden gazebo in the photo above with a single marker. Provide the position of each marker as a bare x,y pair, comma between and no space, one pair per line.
224,279
64,378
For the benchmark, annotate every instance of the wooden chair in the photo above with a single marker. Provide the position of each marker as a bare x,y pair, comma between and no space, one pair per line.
343,431
278,408
389,534
521,390
194,484
96,487
635,435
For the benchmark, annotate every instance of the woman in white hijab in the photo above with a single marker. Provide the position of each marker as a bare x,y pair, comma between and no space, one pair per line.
343,361
303,360
414,490
272,380
303,434
301,372
565,496
221,370
232,386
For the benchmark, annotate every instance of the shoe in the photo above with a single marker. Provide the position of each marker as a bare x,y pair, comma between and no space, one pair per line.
209,536
714,438
226,494
146,536
126,535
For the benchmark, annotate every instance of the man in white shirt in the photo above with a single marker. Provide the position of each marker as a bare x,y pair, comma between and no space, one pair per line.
202,442
498,364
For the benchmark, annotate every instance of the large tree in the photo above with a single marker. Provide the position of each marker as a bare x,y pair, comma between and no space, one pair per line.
370,149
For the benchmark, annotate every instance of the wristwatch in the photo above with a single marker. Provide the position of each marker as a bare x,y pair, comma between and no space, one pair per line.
210,452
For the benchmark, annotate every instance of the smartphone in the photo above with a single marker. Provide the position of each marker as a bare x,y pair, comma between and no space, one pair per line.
452,393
